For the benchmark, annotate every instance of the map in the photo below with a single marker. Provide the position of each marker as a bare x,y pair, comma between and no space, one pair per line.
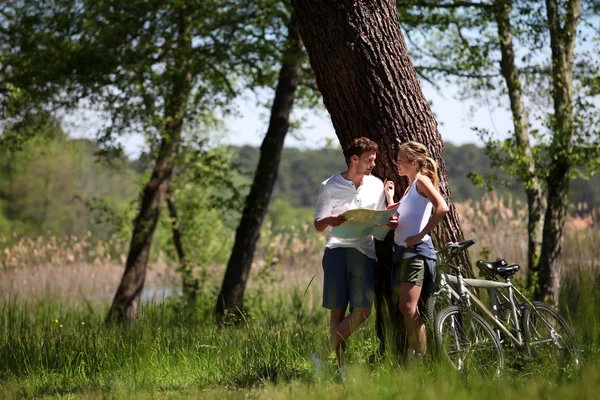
364,222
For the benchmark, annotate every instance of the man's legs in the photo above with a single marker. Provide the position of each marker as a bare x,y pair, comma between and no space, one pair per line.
342,329
361,291
337,316
349,277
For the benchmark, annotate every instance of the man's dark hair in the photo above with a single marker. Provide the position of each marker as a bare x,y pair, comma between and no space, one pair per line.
358,147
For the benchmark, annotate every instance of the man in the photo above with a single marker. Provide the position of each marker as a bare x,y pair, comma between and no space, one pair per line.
348,264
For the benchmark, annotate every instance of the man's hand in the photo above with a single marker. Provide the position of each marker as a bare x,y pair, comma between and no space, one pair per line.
412,240
335,220
393,224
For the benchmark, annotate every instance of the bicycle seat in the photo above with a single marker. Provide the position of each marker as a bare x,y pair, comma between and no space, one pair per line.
505,272
491,267
498,267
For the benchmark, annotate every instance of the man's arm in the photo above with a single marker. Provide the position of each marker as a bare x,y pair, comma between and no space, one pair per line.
334,220
323,217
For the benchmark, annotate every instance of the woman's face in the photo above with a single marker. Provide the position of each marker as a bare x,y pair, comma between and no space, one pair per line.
403,164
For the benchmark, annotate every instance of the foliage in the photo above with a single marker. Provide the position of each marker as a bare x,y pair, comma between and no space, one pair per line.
49,183
457,42
120,57
102,192
206,194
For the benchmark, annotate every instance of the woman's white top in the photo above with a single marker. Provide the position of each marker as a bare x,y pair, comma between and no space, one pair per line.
414,213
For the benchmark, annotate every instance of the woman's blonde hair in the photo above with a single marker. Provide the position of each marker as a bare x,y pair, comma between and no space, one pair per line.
416,151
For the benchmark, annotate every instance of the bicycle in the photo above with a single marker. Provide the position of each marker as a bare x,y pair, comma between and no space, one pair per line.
469,342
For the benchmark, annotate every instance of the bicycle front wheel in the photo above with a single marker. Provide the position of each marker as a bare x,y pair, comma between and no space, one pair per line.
468,343
435,303
549,338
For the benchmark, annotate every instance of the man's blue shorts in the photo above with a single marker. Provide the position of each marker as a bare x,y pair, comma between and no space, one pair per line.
349,277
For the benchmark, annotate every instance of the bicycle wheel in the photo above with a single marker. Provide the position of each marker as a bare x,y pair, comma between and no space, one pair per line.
549,338
435,303
468,342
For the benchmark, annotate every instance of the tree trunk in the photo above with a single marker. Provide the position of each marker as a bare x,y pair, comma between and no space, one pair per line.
190,285
231,297
562,42
126,301
370,88
535,227
533,187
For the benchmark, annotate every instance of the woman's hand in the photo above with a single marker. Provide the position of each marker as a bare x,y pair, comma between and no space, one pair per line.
412,240
389,190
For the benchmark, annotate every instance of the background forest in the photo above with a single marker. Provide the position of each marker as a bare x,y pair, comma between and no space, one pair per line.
59,186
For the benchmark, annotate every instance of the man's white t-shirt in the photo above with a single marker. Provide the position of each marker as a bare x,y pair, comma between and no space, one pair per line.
338,195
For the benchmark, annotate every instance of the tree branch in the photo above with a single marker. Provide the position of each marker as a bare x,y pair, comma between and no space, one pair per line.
453,5
232,91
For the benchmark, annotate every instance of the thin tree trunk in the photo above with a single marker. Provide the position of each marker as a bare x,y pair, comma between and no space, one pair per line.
231,297
370,88
535,228
126,301
533,187
562,42
190,285
45,204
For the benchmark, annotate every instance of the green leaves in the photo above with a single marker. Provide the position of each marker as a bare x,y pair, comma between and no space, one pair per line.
122,56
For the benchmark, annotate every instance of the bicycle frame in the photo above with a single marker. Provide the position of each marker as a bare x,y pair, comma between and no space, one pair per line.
464,295
515,318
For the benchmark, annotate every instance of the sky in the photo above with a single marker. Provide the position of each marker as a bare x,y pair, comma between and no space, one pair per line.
454,117
249,124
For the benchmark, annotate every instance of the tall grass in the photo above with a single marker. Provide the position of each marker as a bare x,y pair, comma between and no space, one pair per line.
45,349
49,350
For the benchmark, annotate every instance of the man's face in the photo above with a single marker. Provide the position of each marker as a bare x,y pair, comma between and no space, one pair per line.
366,163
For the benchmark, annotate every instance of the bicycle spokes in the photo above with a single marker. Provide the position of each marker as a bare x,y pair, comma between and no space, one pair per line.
469,343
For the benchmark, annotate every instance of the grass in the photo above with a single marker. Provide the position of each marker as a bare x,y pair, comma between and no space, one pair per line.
174,352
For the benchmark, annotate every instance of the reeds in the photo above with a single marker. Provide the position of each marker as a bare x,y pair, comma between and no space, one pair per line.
79,267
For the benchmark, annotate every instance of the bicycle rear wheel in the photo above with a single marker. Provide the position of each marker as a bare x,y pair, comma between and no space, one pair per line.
468,343
549,338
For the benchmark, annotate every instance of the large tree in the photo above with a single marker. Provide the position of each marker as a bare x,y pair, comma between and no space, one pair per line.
370,88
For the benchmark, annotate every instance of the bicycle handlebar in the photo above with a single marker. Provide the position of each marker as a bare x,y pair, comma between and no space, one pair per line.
465,244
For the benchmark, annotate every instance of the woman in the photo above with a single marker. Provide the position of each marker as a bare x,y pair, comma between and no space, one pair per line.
414,255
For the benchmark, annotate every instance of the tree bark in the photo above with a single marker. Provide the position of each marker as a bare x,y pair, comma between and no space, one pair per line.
370,88
562,43
533,186
231,297
126,301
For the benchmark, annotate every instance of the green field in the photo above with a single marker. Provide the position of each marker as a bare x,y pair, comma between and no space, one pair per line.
174,352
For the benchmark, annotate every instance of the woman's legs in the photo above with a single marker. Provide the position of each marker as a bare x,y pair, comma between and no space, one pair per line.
415,329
